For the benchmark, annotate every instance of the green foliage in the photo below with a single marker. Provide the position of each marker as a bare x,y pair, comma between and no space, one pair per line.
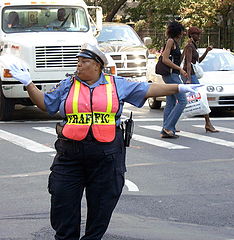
199,13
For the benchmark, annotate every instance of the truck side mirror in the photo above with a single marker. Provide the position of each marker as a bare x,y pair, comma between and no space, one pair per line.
99,18
97,25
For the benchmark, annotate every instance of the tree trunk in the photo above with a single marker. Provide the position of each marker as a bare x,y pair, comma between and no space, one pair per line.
115,9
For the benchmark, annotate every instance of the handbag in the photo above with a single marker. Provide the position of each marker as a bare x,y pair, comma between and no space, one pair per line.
161,68
197,70
197,104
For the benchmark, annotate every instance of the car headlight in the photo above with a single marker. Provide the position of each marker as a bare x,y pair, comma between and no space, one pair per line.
210,88
219,88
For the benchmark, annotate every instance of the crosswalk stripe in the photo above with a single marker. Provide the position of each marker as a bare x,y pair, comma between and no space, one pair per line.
222,129
181,120
25,142
49,130
196,136
132,187
134,111
136,137
156,142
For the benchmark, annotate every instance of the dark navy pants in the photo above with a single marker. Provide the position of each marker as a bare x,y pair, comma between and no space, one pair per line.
96,167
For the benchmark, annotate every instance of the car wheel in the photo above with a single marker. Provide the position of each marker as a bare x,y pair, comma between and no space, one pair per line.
154,104
6,107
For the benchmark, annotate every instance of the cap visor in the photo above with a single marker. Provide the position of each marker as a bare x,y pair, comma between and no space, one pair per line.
83,55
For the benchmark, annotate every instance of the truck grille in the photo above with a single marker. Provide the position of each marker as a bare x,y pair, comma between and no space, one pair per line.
56,56
226,100
129,64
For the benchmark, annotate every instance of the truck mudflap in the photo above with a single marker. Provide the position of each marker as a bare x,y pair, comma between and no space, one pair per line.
6,106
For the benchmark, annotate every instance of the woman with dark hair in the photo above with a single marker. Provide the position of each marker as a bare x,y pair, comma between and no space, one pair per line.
171,56
191,56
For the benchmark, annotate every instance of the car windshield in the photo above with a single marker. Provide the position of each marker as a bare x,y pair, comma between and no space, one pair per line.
45,19
118,34
218,62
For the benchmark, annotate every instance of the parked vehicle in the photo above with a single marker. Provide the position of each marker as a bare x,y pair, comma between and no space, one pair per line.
30,32
218,77
126,48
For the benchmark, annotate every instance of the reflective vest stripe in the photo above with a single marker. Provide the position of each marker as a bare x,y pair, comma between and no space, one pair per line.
109,94
76,97
115,99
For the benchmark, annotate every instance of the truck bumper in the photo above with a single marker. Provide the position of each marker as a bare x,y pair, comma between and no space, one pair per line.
19,91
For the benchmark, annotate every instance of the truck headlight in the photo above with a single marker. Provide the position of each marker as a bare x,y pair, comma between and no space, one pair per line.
210,88
219,88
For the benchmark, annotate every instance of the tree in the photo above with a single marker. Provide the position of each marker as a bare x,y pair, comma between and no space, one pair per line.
109,7
155,14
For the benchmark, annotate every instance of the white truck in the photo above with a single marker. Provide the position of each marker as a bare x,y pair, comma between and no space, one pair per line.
33,32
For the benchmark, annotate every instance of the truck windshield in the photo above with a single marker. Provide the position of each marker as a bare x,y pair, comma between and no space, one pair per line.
44,19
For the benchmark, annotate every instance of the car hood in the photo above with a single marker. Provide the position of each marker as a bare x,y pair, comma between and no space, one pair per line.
121,48
218,77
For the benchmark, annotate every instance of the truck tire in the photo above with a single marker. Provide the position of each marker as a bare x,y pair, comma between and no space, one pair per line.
154,104
6,106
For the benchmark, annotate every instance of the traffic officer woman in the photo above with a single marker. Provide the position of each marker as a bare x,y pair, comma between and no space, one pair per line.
90,145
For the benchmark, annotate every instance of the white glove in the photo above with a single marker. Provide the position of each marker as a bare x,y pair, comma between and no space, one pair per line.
20,73
192,88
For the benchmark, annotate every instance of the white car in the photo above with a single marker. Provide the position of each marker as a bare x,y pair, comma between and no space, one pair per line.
218,67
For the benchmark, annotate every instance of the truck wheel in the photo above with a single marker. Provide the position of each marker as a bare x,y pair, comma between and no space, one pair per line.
6,107
154,104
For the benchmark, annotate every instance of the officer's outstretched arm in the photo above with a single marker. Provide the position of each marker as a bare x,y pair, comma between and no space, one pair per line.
158,90
36,95
22,74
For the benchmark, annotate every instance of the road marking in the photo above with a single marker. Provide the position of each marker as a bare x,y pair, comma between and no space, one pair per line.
25,142
196,136
32,174
135,119
156,142
132,187
133,111
49,130
136,137
186,119
222,129
47,172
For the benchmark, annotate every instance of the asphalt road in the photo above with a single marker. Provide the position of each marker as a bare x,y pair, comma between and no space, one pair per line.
176,189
